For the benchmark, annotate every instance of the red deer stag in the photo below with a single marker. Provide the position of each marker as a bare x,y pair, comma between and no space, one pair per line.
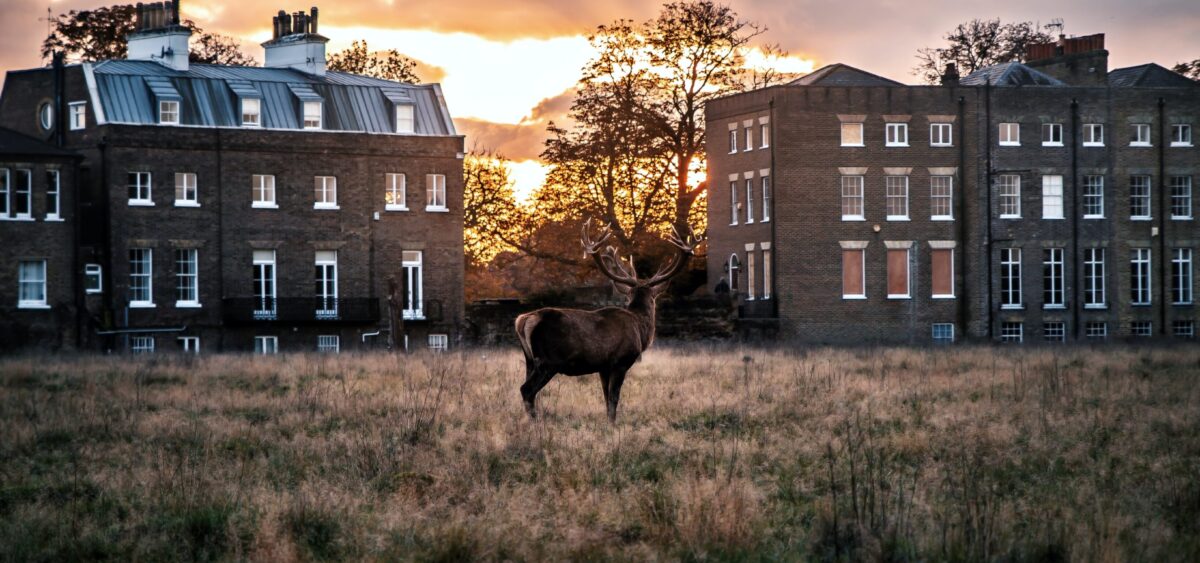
607,341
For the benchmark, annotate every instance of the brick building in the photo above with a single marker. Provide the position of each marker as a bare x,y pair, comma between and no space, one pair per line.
244,208
1044,201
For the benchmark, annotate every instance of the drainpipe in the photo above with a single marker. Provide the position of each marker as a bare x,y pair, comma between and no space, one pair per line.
964,293
106,254
987,143
1163,282
77,236
774,216
220,237
1077,303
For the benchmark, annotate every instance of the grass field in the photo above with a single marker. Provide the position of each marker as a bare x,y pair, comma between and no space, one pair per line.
881,454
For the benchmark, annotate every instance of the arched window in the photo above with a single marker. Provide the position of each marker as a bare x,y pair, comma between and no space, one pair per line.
735,266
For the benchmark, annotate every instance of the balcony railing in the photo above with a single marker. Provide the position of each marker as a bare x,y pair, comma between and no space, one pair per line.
239,310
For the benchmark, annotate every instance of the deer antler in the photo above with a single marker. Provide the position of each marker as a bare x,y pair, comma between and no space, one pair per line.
607,260
687,246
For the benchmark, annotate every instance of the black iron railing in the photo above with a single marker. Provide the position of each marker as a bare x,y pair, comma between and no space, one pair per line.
239,310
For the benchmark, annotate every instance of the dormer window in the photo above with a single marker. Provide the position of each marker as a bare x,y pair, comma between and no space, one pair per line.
251,112
168,112
404,119
312,115
78,115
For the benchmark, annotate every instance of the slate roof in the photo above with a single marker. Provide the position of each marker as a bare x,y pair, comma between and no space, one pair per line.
18,144
838,74
209,95
1010,74
1148,75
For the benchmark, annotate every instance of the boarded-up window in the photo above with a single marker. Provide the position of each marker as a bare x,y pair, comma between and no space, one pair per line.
943,272
852,273
897,263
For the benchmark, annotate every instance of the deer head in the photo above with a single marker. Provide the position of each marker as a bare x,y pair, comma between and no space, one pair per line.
624,276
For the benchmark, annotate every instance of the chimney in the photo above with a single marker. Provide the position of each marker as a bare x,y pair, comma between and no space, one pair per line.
296,43
950,75
1078,61
159,37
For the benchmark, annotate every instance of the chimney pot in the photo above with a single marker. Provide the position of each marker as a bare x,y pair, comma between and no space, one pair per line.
313,22
175,12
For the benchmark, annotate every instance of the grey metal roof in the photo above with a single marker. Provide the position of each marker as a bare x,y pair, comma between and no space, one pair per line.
839,74
1148,75
209,96
1010,74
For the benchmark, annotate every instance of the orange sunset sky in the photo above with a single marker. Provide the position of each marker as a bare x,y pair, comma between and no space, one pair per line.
507,67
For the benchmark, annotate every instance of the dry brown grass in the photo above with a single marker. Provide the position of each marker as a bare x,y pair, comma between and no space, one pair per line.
891,454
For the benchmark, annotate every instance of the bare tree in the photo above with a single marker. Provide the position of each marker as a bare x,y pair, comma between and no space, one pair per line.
1190,70
388,65
977,44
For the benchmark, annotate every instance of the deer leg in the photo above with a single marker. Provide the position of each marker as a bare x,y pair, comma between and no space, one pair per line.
613,394
605,378
535,379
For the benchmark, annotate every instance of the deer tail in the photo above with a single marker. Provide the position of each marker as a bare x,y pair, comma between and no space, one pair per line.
525,325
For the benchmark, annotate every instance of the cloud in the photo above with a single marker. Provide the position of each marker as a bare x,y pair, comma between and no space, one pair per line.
519,141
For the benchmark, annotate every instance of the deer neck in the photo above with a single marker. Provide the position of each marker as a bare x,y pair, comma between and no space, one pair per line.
642,306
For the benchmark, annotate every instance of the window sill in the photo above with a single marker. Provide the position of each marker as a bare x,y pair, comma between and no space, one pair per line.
940,145
767,220
394,207
851,145
764,147
143,305
1054,307
1002,144
1093,144
749,221
33,306
187,305
1141,218
187,204
896,145
854,297
326,206
898,218
1010,216
1141,145
93,291
264,206
1181,218
1053,218
941,297
140,203
1095,307
252,125
1052,144
1182,145
853,218
899,297
1093,216
53,219
1182,304
437,209
941,218
1012,307
17,218
1141,304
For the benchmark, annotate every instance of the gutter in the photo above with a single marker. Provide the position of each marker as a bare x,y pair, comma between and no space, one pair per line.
1076,213
987,143
1163,281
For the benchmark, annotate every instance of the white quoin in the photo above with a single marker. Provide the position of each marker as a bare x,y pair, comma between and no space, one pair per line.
167,46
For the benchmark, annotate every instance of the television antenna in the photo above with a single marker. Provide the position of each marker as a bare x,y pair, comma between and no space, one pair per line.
1056,24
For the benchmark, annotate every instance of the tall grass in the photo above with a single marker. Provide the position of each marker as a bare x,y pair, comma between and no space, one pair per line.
959,454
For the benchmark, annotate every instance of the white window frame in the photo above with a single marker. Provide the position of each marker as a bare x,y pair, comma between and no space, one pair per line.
1181,191
412,263
142,199
395,189
78,112
767,273
894,185
1095,329
1094,286
862,256
141,344
733,137
854,183
765,186
1053,279
907,274
764,132
847,127
946,330
1054,331
1181,276
1093,196
187,278
251,112
937,199
31,285
1052,134
325,192
1141,328
90,270
262,185
168,112
137,277
1012,332
189,344
185,185
1141,288
53,195
1093,134
1010,134
1140,196
312,115
733,202
1010,268
896,135
1141,135
1181,135
265,288
439,342
749,139
46,116
1006,183
329,344
953,268
326,280
749,200
1183,328
1051,184
21,191
266,345
435,193
941,135
750,271
406,122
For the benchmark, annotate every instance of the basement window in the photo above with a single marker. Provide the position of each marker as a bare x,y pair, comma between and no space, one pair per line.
312,115
439,342
93,281
168,112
